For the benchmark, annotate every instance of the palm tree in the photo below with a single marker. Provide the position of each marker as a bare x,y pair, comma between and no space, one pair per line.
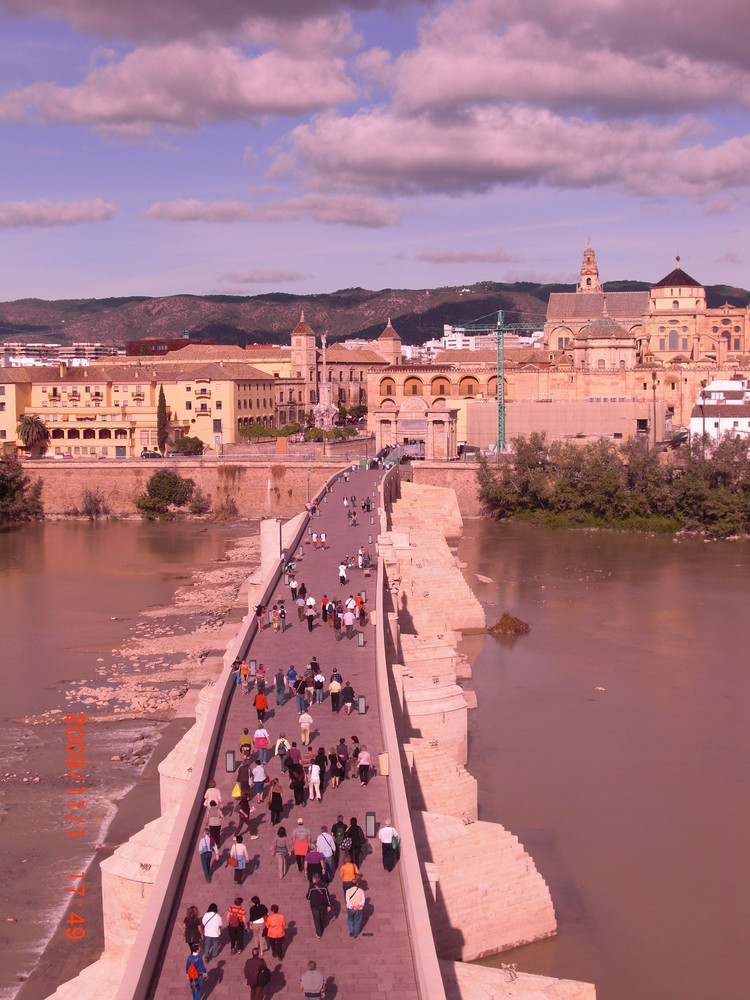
34,433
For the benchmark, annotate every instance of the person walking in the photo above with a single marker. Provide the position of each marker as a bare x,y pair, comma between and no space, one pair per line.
280,682
349,873
357,836
195,970
293,589
297,783
259,781
342,574
243,814
326,845
282,749
214,816
314,863
275,801
312,983
334,690
348,621
388,837
305,721
259,613
275,928
211,932
275,617
336,767
300,843
313,781
364,763
300,687
261,704
323,540
280,851
310,616
300,603
208,852
319,683
338,831
236,917
192,928
347,697
315,540
282,618
238,859
355,904
261,739
342,752
320,904
256,922
257,975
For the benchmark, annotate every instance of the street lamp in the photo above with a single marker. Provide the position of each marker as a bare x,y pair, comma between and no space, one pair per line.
704,383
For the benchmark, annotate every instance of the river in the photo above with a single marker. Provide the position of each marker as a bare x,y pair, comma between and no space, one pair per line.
612,741
71,593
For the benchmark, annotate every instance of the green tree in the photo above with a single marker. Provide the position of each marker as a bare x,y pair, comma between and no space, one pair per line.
19,499
34,433
189,446
358,411
164,489
162,421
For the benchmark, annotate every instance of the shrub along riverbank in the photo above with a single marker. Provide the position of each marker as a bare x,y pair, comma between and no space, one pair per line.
630,487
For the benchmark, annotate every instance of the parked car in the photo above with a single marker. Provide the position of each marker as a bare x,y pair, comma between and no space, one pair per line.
148,453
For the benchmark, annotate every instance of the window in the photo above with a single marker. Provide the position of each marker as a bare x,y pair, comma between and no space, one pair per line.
2,407
204,408
684,343
600,364
218,404
217,426
673,340
187,388
662,344
389,389
675,305
144,438
188,405
2,435
441,389
2,390
736,343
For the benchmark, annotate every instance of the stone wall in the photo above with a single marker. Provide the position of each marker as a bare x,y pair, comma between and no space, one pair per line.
272,489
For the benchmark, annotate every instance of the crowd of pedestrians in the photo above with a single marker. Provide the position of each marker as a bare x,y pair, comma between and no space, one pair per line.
284,767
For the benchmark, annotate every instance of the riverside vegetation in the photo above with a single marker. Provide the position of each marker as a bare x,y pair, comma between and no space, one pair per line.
20,499
705,488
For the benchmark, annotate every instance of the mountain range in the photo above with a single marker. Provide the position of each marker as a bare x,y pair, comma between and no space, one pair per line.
416,314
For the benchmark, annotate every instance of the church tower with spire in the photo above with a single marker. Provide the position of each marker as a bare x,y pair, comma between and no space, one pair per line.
305,360
589,272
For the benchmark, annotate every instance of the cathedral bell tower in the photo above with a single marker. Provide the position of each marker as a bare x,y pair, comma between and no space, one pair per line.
589,272
305,360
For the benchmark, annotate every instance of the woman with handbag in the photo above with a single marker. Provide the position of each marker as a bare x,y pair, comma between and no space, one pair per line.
256,920
238,859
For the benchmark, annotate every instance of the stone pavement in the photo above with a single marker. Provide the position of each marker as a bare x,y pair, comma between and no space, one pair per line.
378,963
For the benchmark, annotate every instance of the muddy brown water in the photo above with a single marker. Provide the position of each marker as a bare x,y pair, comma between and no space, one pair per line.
613,740
70,593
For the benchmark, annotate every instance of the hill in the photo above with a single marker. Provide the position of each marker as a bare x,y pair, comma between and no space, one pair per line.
417,314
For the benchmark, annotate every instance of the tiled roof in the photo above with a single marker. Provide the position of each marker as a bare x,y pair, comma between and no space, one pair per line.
628,306
678,278
303,327
389,333
603,328
346,355
730,412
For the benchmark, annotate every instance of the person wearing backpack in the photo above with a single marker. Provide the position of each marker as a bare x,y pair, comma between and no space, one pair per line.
236,917
195,970
257,975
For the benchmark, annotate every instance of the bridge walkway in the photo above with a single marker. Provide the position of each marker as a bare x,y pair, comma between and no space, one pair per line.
378,964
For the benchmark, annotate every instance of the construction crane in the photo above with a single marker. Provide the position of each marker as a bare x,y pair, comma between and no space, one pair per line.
499,328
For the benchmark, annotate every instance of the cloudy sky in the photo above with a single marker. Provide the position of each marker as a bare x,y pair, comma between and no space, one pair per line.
184,146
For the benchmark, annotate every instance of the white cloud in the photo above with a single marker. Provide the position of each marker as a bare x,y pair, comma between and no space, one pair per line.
382,152
184,85
18,214
194,210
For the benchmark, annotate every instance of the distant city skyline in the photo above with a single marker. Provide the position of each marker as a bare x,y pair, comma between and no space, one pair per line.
193,148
